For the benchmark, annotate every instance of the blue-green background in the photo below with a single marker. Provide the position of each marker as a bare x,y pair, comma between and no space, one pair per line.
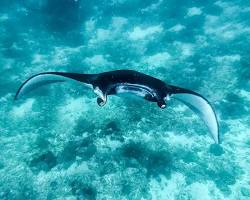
58,144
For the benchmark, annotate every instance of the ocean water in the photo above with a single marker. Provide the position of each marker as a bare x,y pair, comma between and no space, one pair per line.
57,143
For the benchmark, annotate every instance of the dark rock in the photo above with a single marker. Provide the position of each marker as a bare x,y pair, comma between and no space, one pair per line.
82,148
156,162
84,126
112,127
1,165
223,179
245,192
107,168
45,161
83,191
216,150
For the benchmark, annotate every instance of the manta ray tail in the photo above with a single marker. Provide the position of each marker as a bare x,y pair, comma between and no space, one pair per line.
45,78
201,106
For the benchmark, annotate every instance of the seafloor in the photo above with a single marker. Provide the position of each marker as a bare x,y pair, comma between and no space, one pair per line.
59,144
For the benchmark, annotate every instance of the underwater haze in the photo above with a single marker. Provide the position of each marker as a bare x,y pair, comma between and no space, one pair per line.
57,143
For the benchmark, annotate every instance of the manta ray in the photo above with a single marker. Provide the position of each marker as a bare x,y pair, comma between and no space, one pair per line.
131,82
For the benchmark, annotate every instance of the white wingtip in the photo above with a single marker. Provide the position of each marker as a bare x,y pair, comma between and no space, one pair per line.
203,108
37,81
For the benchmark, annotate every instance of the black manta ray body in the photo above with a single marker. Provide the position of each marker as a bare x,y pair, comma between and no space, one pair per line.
129,81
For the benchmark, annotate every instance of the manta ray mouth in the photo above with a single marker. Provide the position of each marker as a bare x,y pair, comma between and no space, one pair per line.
138,90
163,106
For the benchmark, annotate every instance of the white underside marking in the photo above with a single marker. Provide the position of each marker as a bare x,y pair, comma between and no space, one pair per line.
122,89
167,98
99,93
138,90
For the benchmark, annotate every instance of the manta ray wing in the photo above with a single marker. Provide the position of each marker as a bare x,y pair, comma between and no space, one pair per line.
41,79
202,107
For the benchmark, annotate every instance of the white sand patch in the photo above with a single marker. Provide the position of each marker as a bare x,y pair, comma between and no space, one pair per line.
107,142
157,60
39,59
201,41
138,33
152,7
167,189
176,139
67,116
43,179
119,22
177,28
77,169
238,133
177,188
8,97
72,110
231,9
8,63
186,49
245,94
98,61
199,191
228,59
216,26
23,109
180,108
61,55
221,77
237,141
117,2
193,11
16,47
90,25
103,34
4,17
204,191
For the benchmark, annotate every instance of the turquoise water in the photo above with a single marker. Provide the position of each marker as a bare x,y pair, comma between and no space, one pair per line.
59,144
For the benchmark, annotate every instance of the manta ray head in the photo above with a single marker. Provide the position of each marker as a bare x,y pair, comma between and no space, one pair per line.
162,100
